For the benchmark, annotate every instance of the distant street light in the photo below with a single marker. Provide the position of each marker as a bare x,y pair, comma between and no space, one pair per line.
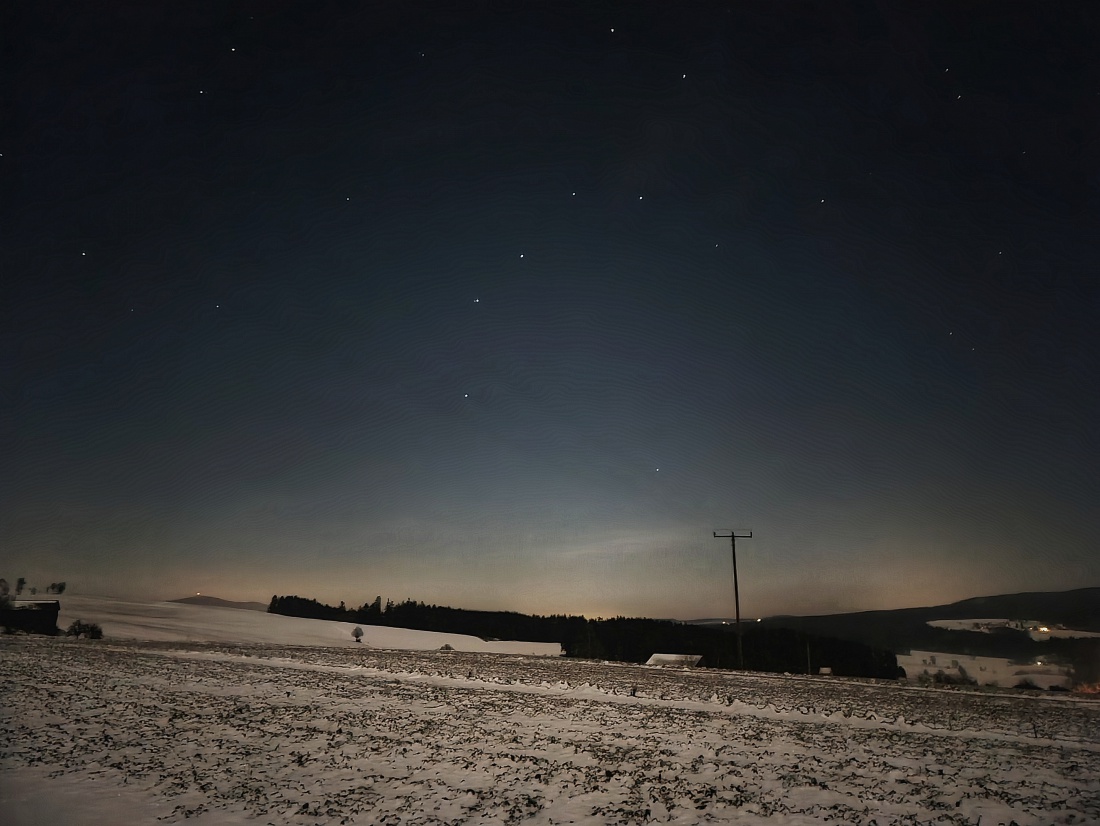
733,537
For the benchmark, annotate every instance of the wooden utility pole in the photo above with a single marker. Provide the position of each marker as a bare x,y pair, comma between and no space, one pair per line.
733,537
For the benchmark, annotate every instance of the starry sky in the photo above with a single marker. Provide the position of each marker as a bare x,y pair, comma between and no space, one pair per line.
512,305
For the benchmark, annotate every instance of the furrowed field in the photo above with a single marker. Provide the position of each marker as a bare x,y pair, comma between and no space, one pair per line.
95,731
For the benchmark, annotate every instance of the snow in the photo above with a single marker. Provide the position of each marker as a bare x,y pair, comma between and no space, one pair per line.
982,625
991,671
683,660
181,622
1063,633
1036,630
146,732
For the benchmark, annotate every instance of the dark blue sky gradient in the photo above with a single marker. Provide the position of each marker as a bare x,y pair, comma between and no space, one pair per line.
342,299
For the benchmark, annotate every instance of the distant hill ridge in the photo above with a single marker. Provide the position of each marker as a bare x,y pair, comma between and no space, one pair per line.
200,599
905,629
1078,608
1080,605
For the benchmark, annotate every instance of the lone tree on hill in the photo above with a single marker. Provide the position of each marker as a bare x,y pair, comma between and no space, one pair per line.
84,630
357,632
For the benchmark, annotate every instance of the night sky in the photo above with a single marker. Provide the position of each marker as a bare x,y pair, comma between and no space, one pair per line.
510,305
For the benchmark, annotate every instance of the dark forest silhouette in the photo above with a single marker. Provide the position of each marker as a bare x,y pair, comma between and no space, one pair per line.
622,639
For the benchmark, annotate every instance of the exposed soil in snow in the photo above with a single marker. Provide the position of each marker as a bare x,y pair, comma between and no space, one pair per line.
134,732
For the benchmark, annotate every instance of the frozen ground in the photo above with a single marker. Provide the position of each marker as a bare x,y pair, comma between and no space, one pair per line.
114,732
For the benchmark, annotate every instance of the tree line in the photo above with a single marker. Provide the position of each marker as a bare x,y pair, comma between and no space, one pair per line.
622,639
21,585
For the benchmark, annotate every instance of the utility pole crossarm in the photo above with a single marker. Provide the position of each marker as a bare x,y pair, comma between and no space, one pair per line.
733,536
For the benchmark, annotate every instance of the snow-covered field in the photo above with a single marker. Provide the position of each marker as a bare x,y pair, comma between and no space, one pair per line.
995,671
180,622
136,732
985,626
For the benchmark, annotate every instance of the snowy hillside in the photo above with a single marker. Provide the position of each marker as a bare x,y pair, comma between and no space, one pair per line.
992,671
1035,630
175,621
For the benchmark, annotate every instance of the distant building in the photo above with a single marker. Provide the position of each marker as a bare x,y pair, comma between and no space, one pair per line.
38,616
681,660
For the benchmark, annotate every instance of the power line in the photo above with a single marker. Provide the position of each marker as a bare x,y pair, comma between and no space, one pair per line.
733,537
